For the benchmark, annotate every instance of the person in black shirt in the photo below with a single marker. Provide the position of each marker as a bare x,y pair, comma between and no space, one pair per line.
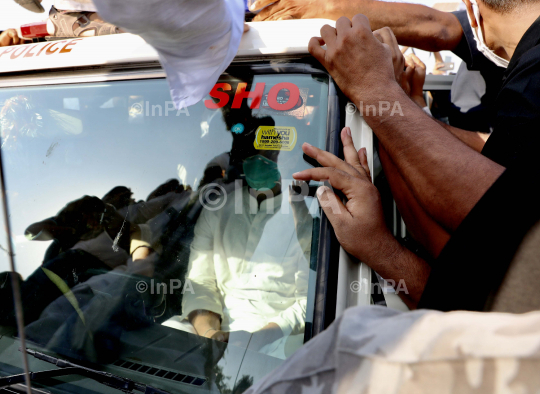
473,91
486,242
457,183
480,70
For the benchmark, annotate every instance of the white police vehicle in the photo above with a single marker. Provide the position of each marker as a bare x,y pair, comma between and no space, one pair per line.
99,167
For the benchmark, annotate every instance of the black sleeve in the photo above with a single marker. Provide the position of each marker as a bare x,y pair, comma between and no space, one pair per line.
472,265
516,135
467,49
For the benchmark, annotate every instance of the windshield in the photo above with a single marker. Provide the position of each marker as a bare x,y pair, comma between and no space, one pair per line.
170,247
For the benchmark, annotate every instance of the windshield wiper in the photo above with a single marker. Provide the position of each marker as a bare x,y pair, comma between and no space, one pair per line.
68,368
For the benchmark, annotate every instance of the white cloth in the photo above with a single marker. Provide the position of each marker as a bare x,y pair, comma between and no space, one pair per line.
196,40
75,5
480,40
180,324
378,350
468,88
249,267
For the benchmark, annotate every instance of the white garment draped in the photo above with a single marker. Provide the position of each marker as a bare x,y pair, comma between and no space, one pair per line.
196,40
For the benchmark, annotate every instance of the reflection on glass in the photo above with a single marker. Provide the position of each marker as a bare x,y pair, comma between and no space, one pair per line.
169,247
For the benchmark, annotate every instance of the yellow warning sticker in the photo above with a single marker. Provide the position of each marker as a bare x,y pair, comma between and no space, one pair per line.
275,138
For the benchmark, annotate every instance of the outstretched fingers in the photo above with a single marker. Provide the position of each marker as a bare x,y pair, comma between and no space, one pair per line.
352,157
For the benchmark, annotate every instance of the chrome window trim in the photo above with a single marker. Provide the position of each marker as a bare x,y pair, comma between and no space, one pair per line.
146,71
354,277
130,71
81,76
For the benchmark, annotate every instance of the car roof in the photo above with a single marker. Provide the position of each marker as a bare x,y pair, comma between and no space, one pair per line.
264,39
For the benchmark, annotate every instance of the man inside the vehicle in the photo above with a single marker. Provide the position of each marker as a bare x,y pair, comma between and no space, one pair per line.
475,207
247,263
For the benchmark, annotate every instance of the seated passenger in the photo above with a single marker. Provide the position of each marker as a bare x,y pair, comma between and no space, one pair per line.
247,264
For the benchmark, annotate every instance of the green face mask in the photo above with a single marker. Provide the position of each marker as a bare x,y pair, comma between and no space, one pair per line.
261,172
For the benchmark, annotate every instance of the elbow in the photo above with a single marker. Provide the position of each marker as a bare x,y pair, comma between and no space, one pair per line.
446,40
442,32
449,32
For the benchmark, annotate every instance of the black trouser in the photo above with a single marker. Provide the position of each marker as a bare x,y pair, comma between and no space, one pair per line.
38,291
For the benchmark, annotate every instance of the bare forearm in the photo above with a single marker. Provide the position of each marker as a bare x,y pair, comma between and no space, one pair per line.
407,272
473,139
413,24
205,321
268,334
446,176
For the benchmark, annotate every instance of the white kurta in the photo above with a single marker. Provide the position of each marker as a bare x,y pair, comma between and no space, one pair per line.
248,266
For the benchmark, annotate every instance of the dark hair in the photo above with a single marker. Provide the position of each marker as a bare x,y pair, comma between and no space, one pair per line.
504,6
118,197
242,146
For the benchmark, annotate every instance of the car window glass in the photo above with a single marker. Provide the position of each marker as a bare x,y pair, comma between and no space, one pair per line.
171,247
